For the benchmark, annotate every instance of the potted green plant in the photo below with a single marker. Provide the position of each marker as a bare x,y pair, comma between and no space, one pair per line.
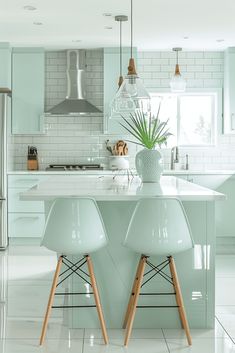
150,133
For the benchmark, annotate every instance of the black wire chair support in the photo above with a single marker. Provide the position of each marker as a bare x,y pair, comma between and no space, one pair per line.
74,268
158,270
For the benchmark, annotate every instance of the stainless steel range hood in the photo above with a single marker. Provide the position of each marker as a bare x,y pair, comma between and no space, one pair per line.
75,101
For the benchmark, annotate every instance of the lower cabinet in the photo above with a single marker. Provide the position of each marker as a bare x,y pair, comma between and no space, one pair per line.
224,210
26,219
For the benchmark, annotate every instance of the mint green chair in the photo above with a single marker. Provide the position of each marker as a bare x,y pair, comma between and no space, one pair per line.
159,226
74,226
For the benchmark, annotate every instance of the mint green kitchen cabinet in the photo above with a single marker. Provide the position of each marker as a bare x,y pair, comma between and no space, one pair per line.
111,76
27,90
26,219
229,91
224,210
5,67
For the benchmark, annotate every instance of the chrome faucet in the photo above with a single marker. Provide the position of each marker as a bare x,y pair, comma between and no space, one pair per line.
174,156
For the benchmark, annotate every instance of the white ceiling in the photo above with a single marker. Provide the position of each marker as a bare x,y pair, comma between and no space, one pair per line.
158,24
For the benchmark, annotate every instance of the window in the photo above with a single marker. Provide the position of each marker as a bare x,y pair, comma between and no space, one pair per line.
192,116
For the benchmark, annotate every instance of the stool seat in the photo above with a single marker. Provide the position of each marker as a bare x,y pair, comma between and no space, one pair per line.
159,226
74,226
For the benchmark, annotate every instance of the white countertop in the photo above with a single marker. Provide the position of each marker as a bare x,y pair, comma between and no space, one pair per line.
106,189
108,172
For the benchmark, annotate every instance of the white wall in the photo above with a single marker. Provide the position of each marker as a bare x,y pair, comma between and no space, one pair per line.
75,139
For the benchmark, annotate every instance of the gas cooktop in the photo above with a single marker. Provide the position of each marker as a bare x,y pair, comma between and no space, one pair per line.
73,167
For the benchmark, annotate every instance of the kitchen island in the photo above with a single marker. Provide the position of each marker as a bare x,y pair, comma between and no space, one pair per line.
115,265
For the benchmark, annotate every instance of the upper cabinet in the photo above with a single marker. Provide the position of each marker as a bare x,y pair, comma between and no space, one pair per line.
111,75
229,91
27,90
5,67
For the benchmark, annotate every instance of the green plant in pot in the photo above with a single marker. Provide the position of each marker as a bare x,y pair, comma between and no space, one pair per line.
150,133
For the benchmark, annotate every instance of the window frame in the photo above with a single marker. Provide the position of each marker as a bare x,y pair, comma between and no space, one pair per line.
217,111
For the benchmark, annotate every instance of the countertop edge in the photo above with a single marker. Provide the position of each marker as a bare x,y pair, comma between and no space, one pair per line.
111,172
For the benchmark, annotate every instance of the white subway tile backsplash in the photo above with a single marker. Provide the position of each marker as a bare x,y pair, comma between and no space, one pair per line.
168,54
164,83
195,83
212,83
149,54
195,68
218,74
151,68
159,61
203,75
219,61
205,61
164,74
167,68
212,68
194,55
213,54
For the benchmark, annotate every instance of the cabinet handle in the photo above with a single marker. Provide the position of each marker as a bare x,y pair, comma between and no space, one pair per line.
28,219
232,121
190,180
27,180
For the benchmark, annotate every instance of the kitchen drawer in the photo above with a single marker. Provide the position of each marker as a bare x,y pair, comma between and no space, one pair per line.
25,181
25,224
16,205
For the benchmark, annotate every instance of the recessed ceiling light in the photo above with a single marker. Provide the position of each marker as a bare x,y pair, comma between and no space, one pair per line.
185,37
38,23
76,40
108,27
219,40
107,14
29,8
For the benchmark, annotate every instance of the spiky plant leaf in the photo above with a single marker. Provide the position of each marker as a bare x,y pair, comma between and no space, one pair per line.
148,130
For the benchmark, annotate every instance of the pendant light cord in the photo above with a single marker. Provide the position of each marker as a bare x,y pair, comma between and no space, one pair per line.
120,48
177,57
131,26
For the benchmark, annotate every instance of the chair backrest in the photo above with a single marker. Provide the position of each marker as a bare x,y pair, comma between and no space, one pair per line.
74,226
159,226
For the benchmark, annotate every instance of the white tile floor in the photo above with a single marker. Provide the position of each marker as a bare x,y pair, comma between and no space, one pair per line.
25,279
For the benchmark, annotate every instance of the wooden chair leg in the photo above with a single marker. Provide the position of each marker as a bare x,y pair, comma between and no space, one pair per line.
51,299
97,299
132,296
179,300
135,300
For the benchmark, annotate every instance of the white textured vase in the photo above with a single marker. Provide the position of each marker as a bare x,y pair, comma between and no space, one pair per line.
149,165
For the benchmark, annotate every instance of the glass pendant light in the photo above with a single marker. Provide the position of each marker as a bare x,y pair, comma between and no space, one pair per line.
132,93
178,83
121,103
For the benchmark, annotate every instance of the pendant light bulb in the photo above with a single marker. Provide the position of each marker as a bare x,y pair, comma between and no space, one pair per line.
178,83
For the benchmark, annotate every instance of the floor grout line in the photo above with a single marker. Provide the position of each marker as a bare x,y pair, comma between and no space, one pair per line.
165,341
224,329
83,340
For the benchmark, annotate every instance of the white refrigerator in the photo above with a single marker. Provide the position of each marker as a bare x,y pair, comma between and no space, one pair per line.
5,93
